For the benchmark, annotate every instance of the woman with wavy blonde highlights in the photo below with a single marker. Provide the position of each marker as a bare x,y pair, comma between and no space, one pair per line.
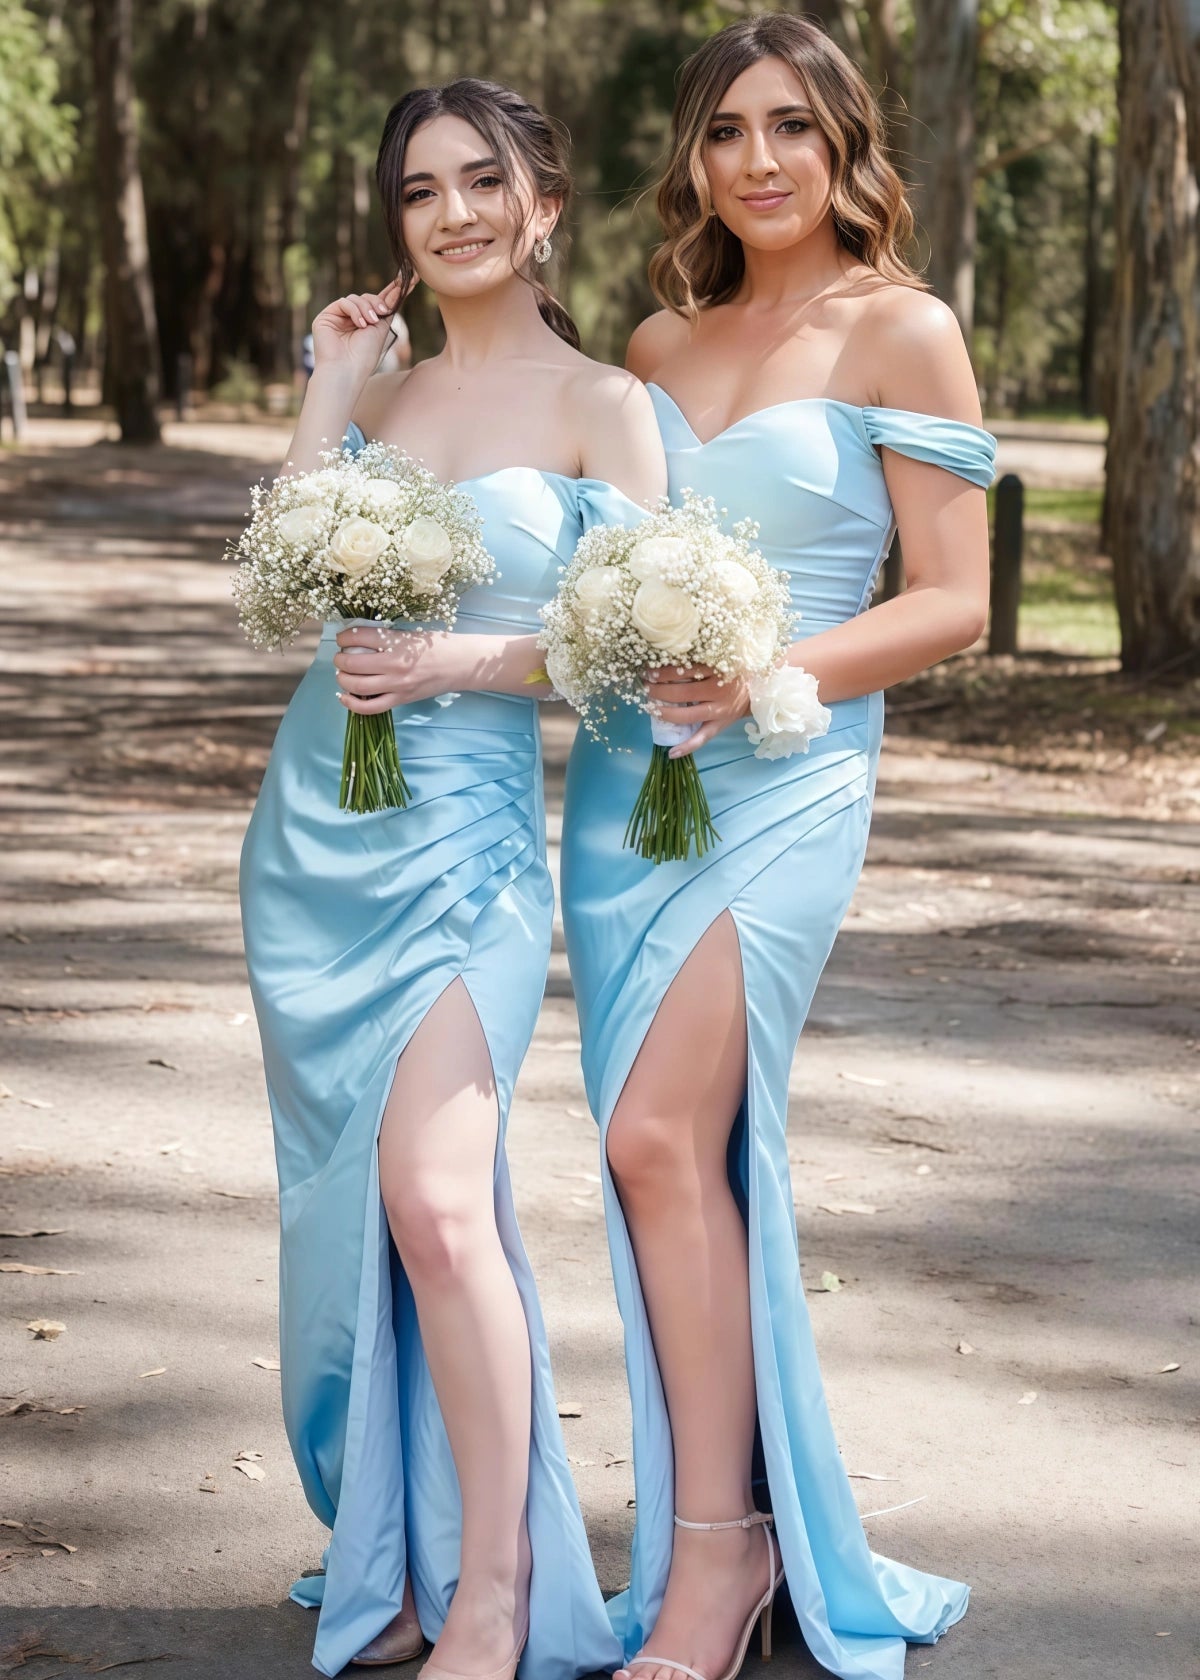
805,378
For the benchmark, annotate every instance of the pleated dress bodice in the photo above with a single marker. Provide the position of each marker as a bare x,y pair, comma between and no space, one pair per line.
793,834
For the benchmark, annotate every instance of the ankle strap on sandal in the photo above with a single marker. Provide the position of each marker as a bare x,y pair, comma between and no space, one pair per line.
752,1521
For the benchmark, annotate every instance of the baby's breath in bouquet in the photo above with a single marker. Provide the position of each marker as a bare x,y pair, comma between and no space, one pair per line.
675,590
365,538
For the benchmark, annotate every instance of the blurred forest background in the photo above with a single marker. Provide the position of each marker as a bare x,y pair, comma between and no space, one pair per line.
214,160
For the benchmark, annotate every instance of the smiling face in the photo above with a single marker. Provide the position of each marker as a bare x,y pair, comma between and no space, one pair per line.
464,230
769,167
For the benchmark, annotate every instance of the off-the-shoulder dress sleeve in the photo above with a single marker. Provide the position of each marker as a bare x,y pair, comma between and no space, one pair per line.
603,504
966,450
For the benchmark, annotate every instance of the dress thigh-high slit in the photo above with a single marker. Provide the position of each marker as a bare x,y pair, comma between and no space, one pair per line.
355,926
793,838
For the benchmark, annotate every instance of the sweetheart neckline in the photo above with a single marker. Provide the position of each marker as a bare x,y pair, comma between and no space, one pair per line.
858,409
770,408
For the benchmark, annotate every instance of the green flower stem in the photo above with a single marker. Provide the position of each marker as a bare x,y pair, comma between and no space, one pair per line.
372,779
671,811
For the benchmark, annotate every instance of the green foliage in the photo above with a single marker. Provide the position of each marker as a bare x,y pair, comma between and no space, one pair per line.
37,135
240,384
1047,80
260,118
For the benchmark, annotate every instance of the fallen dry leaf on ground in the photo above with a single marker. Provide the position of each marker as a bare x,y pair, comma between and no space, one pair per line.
235,1195
1163,1369
867,1476
964,1347
35,1271
829,1285
265,1364
18,1236
247,1463
36,1535
45,1329
162,1062
158,1371
1028,1397
569,1409
846,1207
861,1079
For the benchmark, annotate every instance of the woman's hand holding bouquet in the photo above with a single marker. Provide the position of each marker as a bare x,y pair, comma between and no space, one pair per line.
675,591
369,538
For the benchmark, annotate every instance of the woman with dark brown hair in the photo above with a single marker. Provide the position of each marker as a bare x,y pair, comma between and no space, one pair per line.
804,378
398,959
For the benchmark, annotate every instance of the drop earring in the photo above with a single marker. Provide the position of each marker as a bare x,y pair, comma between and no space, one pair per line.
543,250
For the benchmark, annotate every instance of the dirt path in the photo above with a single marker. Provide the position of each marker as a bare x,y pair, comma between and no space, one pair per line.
1000,1067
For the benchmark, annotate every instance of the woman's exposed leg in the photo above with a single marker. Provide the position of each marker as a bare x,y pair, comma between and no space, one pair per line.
667,1143
437,1151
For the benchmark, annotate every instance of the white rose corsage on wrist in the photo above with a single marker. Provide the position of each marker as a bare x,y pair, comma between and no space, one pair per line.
785,714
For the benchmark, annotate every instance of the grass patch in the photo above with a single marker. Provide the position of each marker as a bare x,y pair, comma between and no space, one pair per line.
1073,507
1067,603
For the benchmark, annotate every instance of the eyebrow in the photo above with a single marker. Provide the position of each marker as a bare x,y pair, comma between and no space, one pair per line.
467,169
779,111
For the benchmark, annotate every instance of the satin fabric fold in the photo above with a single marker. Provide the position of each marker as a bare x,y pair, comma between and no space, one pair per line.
355,925
793,836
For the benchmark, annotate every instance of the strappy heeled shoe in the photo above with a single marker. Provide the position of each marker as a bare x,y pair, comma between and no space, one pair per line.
393,1645
431,1671
762,1612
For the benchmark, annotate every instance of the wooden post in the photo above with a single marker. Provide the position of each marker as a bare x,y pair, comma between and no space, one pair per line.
183,385
16,392
1006,564
892,580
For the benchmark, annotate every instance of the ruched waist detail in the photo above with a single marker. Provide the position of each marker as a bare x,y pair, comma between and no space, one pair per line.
467,624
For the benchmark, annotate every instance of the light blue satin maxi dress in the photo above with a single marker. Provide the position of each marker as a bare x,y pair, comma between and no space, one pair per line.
354,926
793,834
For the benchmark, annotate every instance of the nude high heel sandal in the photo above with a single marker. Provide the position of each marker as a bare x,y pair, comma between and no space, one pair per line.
762,1612
432,1672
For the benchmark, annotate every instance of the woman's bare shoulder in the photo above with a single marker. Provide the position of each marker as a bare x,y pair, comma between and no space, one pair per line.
655,341
914,344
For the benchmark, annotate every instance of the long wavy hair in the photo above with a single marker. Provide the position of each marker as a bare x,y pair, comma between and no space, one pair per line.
517,133
700,262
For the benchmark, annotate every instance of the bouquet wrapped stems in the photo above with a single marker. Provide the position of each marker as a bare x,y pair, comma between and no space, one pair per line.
372,779
670,814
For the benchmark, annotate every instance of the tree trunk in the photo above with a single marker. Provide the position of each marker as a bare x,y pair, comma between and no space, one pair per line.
887,73
1152,505
131,336
942,139
1089,327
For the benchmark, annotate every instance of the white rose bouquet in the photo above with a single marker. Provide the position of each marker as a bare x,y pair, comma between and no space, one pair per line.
365,538
675,590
